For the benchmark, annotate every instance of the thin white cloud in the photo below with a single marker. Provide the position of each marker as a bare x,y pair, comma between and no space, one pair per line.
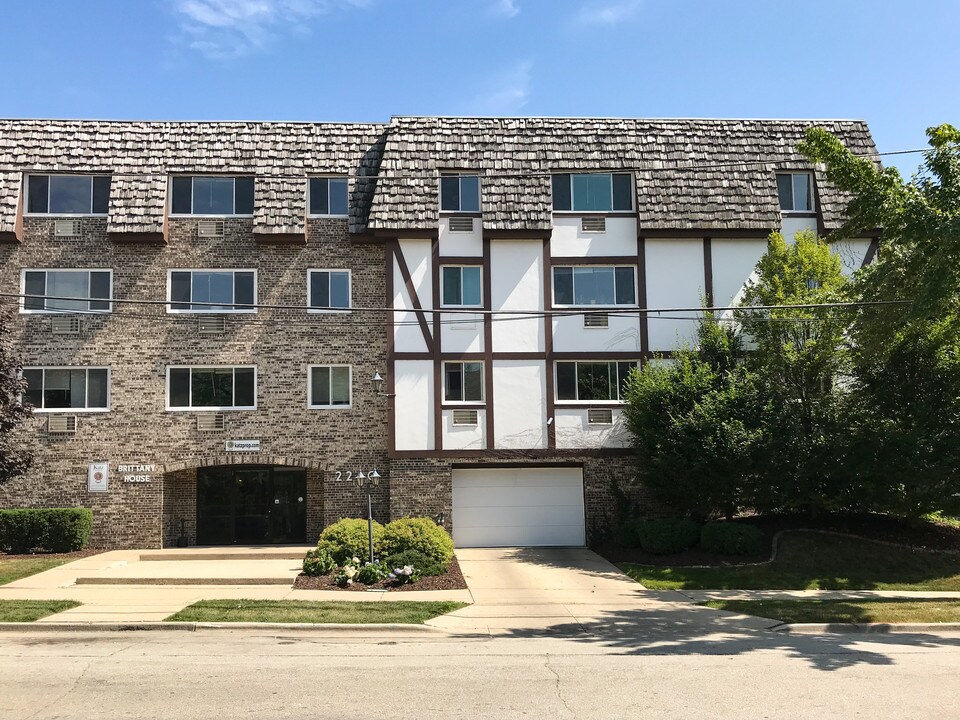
505,8
504,94
607,13
225,29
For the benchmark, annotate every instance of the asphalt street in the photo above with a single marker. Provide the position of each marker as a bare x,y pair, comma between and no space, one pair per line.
658,672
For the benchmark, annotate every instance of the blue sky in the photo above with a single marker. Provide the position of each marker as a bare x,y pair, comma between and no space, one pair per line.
892,63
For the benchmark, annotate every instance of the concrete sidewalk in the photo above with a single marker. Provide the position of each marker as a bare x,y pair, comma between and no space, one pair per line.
705,595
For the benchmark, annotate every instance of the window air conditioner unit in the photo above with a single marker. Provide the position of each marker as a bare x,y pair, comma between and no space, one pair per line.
596,320
212,325
66,228
600,416
61,424
465,417
210,228
65,325
593,224
461,224
210,422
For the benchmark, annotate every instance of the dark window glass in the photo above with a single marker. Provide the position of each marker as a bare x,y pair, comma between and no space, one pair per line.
452,291
801,192
626,286
97,388
180,290
245,393
243,204
623,371
70,194
338,197
320,289
469,193
100,288
34,393
212,387
593,286
320,386
213,196
65,284
473,381
243,289
182,195
453,382
38,187
563,285
622,192
594,381
785,192
34,283
592,193
566,381
101,194
340,385
450,193
213,289
319,201
561,192
340,289
180,387
57,389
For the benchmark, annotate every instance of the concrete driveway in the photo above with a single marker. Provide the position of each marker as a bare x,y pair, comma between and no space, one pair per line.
523,591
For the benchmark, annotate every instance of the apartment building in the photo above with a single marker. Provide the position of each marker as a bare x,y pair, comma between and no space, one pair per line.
224,324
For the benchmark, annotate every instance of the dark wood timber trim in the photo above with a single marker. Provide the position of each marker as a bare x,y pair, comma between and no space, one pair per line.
463,406
488,342
457,213
871,253
461,260
437,362
608,260
388,255
564,405
642,295
403,234
708,270
548,344
515,455
280,238
429,341
131,238
490,465
519,234
716,233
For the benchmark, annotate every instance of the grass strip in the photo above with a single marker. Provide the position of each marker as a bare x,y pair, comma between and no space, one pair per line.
30,610
814,561
845,611
20,567
307,611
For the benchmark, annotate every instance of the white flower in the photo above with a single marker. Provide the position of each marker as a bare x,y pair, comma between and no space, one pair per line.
355,561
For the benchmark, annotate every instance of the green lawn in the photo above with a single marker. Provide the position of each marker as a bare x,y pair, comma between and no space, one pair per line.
812,561
14,568
30,610
845,611
304,611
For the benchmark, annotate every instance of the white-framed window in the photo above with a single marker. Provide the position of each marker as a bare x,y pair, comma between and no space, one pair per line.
60,388
795,191
328,290
329,386
463,382
459,192
461,286
68,194
97,285
592,381
211,387
593,192
328,197
212,291
595,285
217,195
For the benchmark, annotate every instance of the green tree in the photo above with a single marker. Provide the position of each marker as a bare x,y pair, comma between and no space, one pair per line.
15,459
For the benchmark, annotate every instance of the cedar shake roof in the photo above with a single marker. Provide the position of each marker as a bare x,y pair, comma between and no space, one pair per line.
691,174
726,187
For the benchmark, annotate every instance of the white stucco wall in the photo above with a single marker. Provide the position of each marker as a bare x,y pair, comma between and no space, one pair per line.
622,334
674,279
851,253
464,437
413,385
519,404
792,225
407,335
461,332
573,431
733,263
568,239
516,275
462,244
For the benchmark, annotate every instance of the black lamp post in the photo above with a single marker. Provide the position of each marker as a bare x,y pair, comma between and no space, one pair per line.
368,482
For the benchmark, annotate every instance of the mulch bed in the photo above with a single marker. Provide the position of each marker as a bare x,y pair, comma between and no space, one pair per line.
912,533
79,554
451,580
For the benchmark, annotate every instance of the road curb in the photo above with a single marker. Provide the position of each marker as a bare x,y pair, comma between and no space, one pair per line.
863,628
329,628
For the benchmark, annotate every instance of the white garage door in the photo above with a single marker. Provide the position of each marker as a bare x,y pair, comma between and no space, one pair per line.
518,507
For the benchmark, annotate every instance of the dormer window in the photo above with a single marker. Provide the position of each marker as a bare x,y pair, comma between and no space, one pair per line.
593,192
795,191
328,197
68,194
212,195
459,193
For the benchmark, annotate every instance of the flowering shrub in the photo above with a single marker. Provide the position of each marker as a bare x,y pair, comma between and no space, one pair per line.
346,573
403,575
425,566
318,562
371,572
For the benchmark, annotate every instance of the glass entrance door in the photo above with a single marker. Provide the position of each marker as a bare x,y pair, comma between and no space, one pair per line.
251,505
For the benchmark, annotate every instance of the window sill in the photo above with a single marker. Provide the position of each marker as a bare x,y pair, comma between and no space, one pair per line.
69,411
208,409
64,215
596,213
60,313
200,216
211,312
331,311
586,404
462,405
328,217
330,407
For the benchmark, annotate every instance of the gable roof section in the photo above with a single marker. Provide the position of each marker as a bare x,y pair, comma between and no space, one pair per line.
691,174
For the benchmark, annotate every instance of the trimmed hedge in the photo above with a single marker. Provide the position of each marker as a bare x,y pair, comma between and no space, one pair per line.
56,530
318,562
627,534
726,538
347,539
668,535
421,534
422,564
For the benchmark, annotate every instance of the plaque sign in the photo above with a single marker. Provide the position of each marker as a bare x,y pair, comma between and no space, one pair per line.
243,446
98,476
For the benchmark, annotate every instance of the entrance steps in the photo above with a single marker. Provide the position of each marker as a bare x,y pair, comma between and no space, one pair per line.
219,554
